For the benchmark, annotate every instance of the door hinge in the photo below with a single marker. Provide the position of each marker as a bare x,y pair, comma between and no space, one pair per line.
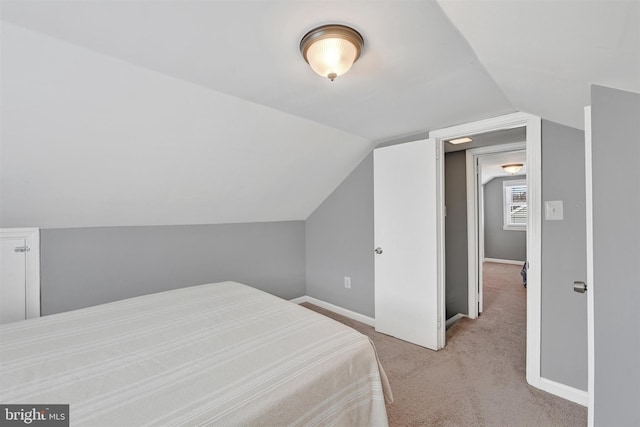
21,249
437,153
439,324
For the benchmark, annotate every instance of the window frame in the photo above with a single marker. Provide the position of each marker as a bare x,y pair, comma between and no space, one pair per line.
508,183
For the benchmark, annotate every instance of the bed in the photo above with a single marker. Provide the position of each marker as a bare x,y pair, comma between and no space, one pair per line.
216,354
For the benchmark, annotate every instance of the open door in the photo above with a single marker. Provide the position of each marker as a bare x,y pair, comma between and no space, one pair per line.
406,240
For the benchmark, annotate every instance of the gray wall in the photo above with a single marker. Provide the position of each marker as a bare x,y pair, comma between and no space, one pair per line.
339,242
500,243
564,312
455,196
616,255
82,267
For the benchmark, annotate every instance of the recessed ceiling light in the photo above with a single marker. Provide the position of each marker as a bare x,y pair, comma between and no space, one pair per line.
460,140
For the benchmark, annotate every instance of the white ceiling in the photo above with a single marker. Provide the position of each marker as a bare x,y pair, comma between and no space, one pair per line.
497,137
491,165
210,79
544,55
416,72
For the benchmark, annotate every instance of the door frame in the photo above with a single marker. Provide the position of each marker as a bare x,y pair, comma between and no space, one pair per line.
475,214
534,222
32,239
590,286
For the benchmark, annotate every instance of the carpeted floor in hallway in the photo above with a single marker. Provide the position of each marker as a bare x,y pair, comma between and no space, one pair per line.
478,379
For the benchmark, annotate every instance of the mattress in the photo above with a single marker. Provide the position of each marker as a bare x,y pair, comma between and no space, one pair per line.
216,354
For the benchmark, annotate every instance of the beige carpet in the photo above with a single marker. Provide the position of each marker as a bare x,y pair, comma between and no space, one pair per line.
478,379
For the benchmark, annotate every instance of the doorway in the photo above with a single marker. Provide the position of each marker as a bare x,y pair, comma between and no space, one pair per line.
532,125
484,156
409,207
497,212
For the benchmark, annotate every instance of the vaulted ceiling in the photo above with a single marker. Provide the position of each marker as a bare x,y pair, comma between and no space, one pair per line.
182,112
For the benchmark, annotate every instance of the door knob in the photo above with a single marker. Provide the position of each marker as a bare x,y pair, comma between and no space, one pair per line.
378,250
579,287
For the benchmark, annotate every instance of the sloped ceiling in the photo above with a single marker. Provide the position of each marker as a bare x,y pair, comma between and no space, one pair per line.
544,55
182,112
416,71
88,140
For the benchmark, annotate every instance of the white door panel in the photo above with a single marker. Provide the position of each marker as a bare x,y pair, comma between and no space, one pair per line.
13,281
19,274
405,191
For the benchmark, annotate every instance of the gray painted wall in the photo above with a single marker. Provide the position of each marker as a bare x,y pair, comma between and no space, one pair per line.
500,243
616,255
339,242
455,195
81,267
564,312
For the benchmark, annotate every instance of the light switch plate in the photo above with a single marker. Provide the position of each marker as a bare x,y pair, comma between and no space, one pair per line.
553,210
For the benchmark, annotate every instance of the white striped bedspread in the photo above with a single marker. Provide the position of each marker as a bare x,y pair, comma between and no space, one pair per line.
218,354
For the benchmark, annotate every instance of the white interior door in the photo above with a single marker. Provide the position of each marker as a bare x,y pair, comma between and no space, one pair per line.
406,238
13,281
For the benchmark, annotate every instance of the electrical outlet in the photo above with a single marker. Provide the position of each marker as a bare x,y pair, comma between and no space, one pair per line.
347,282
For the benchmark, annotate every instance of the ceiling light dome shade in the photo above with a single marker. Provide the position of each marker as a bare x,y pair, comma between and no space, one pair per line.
331,50
512,168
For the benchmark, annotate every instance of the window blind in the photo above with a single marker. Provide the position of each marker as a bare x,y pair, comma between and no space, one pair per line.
518,205
515,204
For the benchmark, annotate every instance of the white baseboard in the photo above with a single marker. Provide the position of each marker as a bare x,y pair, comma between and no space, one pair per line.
336,309
454,319
575,395
504,261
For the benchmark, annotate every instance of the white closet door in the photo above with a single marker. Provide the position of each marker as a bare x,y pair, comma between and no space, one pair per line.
13,281
405,191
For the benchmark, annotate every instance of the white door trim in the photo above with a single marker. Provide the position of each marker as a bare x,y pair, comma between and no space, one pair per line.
590,307
475,233
440,217
473,249
534,222
32,238
480,247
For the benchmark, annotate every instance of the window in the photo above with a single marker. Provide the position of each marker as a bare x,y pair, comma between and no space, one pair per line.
515,204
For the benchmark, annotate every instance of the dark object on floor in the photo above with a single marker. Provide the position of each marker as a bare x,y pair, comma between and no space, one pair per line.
523,273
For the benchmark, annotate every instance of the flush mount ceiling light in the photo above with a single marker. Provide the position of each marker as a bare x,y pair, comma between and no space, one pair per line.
460,140
512,168
331,50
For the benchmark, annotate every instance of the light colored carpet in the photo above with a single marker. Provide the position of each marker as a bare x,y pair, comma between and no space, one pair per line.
478,379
